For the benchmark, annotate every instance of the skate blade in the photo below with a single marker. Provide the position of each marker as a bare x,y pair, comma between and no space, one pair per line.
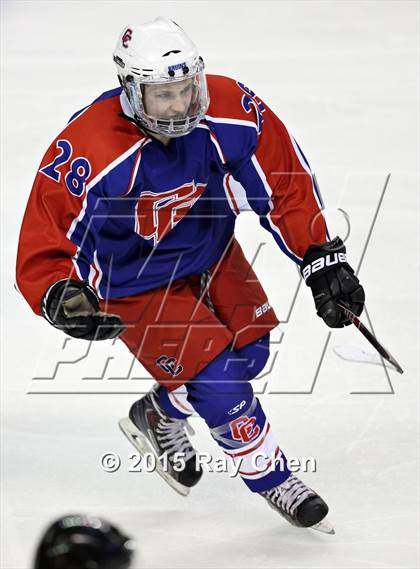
140,442
324,526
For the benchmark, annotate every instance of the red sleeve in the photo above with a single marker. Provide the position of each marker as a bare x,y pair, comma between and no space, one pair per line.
273,173
295,203
68,204
44,252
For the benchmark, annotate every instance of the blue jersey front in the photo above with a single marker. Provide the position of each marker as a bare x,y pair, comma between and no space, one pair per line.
174,222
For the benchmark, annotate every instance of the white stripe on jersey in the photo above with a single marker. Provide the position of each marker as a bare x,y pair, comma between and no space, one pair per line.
95,274
136,166
113,165
261,174
239,194
233,206
100,274
92,275
76,266
215,142
267,188
239,122
305,167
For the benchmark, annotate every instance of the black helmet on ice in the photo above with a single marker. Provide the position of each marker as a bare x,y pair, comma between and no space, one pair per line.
83,542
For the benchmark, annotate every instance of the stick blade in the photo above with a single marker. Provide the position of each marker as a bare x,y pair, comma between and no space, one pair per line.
355,354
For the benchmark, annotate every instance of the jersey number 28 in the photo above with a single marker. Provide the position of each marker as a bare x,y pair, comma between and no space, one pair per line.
78,173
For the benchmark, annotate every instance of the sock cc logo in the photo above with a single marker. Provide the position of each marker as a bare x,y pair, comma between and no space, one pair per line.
244,429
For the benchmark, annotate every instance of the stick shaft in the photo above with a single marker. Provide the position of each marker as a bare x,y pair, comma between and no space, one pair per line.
371,338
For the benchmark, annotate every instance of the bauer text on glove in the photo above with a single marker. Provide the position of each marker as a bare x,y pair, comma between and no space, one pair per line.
332,281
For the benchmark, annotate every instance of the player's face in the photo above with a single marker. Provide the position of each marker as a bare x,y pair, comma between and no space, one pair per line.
168,101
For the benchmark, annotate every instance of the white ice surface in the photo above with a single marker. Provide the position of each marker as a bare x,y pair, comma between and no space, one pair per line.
343,76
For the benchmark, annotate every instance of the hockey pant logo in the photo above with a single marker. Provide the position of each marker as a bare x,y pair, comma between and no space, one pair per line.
169,365
260,310
244,429
158,213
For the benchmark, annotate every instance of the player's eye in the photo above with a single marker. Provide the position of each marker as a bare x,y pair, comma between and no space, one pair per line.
163,95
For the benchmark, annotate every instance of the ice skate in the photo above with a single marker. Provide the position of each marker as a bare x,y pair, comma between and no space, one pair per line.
152,431
299,505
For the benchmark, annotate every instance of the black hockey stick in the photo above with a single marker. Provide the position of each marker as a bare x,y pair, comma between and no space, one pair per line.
371,338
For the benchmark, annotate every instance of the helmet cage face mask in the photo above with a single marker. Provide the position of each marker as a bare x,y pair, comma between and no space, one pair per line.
135,87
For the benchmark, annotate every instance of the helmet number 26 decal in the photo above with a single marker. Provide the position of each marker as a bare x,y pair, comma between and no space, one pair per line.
78,173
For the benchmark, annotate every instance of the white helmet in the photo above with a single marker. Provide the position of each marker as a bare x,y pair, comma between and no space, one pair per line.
160,52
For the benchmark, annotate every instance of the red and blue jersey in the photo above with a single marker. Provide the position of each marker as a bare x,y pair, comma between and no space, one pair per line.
114,206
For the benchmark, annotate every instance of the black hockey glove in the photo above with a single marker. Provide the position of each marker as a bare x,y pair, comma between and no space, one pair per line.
326,271
73,307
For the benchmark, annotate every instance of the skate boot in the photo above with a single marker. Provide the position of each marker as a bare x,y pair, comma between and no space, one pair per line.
299,505
152,431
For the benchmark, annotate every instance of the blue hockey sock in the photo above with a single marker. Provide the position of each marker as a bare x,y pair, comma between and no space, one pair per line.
222,395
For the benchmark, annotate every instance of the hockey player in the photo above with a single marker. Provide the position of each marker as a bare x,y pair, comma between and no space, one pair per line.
129,232
83,542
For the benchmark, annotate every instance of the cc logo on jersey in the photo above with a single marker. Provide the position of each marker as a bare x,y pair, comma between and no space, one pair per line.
158,213
128,34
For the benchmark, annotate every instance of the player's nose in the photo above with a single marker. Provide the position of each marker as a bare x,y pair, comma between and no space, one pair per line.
178,106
